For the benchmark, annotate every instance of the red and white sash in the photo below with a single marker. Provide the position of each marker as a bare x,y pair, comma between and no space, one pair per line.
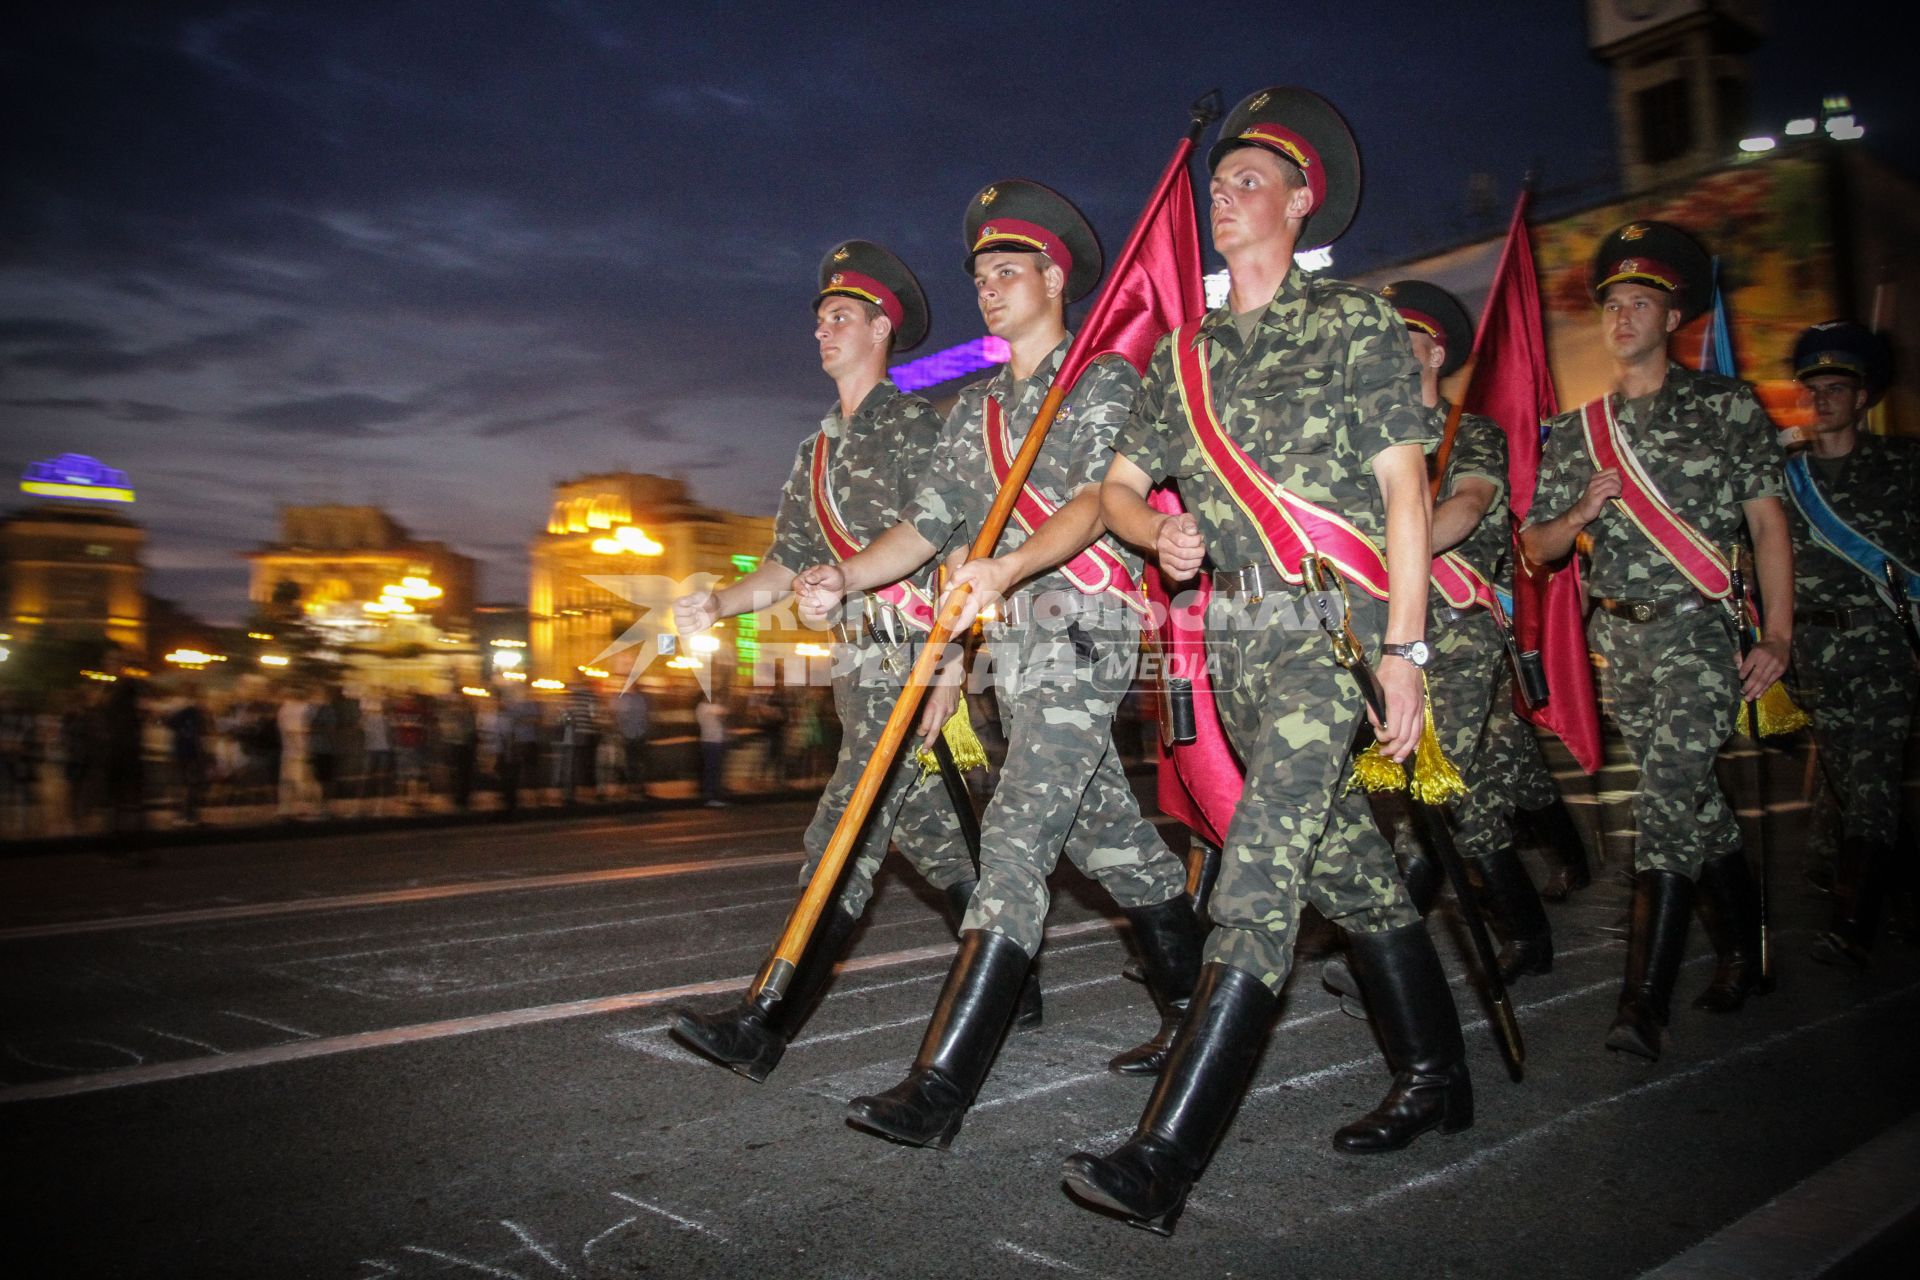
1461,585
1697,559
913,603
1094,570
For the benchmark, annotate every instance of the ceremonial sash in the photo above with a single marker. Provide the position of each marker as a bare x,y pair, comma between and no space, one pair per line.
1461,585
1698,560
1095,569
1830,530
913,603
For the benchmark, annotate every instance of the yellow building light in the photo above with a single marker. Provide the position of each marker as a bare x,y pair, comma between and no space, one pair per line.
191,658
593,673
275,660
811,651
507,658
520,676
100,676
474,691
259,635
705,642
627,540
548,686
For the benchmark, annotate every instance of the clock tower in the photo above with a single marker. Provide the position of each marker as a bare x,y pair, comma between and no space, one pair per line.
1679,80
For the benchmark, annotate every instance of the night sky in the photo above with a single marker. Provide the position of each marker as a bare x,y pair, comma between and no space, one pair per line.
436,256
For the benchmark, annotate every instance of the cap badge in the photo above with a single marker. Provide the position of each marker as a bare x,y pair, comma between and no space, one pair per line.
838,276
1630,265
1259,102
1632,231
988,196
842,254
985,232
1387,292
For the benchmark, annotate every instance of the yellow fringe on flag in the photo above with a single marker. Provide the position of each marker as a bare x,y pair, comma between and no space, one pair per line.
1778,714
968,751
1436,780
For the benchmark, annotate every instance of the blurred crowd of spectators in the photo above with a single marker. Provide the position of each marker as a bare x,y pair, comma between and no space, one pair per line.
124,755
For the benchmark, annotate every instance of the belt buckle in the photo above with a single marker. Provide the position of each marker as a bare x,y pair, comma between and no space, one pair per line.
1253,583
1640,611
845,633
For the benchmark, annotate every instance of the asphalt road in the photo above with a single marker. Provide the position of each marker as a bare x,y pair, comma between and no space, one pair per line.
444,1054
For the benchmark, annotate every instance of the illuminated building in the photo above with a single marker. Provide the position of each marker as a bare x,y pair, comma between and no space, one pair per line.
650,531
70,565
344,561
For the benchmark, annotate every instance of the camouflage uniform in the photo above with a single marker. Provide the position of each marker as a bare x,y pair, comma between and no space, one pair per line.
1858,682
1674,681
1326,381
874,462
1062,787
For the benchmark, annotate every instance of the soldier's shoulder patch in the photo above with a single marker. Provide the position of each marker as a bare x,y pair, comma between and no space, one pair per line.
1715,384
1326,291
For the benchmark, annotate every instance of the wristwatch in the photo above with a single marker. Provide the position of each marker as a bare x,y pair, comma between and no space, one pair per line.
1414,651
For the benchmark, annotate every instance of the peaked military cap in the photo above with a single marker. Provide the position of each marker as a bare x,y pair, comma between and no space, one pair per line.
1018,216
1658,255
1843,346
1436,313
1305,130
862,269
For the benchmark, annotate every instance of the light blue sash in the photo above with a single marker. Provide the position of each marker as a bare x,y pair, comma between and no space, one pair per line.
1841,538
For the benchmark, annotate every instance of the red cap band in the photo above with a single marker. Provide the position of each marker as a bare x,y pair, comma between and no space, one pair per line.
1019,234
1291,146
1424,323
854,285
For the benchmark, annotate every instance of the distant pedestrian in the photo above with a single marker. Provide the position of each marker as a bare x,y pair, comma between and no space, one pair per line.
188,729
633,717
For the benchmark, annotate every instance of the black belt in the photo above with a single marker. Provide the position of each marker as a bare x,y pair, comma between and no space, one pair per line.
1648,610
1839,619
1447,613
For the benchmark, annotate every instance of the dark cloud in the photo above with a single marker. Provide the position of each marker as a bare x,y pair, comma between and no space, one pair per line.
97,356
118,410
349,413
38,330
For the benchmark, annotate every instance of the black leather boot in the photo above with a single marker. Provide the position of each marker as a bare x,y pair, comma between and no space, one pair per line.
1147,1178
1514,910
1422,876
975,1007
1557,833
1656,941
1028,1014
1861,888
1169,942
750,1038
1412,1007
1729,905
1203,886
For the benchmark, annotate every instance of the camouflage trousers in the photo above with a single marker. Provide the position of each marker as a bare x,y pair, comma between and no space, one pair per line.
1062,787
913,812
1471,686
1859,687
1298,834
1674,684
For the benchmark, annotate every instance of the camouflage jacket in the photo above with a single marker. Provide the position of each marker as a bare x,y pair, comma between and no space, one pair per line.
1707,444
958,486
1480,451
1874,489
873,464
1326,382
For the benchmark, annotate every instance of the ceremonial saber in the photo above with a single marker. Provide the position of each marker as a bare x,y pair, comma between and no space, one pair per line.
956,784
771,982
1431,825
1743,637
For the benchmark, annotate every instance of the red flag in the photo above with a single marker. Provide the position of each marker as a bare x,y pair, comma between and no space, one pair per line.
1155,283
1511,384
1155,286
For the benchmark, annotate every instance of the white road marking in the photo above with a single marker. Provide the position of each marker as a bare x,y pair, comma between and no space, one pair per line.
472,1264
328,1046
268,1022
586,1250
538,1250
170,1035
1026,1254
391,897
671,1216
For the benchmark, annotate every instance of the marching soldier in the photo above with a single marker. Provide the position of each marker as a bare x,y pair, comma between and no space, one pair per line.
848,483
1469,678
1660,474
1063,651
1851,512
1294,407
